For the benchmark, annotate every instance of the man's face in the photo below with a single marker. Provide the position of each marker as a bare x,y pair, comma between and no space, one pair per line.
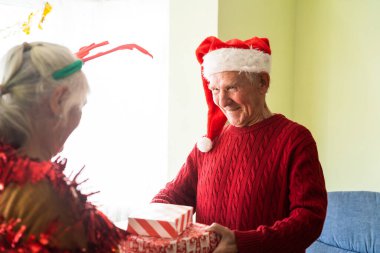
240,100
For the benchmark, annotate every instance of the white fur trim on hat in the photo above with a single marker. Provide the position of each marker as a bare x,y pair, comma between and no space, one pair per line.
235,59
204,144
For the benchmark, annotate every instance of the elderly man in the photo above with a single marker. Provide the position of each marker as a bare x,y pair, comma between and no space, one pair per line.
257,179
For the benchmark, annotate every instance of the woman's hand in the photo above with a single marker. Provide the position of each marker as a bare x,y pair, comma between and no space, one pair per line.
227,244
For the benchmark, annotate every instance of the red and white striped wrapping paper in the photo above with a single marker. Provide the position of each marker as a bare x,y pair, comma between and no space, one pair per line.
160,220
193,240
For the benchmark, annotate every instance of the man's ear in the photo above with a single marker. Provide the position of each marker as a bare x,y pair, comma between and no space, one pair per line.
264,80
57,100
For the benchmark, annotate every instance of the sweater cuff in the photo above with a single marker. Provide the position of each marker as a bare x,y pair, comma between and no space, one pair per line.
248,241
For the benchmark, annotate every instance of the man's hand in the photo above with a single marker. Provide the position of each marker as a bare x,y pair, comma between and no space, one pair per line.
227,244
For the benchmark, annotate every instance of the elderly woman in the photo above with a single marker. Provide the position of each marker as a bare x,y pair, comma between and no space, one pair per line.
42,94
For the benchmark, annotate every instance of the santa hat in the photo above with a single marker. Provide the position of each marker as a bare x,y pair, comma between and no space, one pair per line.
214,55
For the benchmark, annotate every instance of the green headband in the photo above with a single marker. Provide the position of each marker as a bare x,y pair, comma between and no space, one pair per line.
68,70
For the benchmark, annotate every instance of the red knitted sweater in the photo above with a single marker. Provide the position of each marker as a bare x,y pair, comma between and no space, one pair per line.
264,182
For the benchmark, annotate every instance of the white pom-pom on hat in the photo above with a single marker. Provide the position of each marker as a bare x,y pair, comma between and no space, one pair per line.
204,144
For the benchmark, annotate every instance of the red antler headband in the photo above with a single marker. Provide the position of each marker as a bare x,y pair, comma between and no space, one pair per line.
84,51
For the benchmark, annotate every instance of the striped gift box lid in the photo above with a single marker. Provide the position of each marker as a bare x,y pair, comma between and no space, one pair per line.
160,220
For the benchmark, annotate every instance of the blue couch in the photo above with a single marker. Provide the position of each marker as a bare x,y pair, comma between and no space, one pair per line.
352,224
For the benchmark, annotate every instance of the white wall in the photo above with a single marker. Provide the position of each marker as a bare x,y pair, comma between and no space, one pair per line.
337,88
190,22
274,19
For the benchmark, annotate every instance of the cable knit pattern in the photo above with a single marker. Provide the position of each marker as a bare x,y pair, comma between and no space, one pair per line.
265,182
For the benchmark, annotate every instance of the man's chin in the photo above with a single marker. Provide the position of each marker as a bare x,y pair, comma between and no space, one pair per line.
231,118
235,122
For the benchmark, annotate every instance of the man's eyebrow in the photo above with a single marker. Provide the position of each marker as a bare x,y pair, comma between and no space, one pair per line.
234,83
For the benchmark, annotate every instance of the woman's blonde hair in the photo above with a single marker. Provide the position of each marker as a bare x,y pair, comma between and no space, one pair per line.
27,84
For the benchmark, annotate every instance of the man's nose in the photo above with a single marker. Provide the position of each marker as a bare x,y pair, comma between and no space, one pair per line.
224,98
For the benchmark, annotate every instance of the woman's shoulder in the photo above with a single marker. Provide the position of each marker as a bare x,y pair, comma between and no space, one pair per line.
19,170
42,212
38,198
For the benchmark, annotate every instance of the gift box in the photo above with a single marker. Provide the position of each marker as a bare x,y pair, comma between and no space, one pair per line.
160,220
193,240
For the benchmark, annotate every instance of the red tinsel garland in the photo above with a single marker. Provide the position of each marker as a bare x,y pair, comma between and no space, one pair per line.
102,235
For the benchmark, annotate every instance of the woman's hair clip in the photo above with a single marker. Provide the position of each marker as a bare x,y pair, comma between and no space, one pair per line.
3,90
26,46
84,51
